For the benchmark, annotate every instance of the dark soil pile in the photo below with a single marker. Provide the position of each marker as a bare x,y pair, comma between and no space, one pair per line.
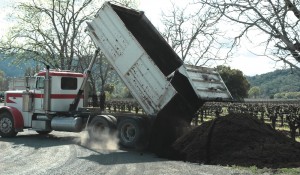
166,130
239,140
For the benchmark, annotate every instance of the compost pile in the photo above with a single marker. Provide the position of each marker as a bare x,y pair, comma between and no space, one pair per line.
238,139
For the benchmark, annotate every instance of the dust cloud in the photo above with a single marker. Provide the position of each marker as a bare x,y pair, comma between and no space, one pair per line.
106,141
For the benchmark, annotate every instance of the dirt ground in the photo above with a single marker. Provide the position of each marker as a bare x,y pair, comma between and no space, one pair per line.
64,153
238,139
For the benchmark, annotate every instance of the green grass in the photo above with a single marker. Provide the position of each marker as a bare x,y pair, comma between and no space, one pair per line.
290,171
279,171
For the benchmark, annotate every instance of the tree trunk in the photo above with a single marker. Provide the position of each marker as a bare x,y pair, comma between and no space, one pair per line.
281,119
102,100
94,100
293,132
273,120
262,117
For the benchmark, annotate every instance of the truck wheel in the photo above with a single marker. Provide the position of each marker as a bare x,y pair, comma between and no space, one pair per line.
7,128
130,132
100,126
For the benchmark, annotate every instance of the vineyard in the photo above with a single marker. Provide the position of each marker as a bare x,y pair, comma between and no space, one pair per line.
283,116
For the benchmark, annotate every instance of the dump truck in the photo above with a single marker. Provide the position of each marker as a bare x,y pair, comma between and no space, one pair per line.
169,91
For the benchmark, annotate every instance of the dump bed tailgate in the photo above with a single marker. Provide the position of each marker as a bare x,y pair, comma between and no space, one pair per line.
208,83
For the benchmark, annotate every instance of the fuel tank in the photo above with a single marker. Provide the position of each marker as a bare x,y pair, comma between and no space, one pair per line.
70,124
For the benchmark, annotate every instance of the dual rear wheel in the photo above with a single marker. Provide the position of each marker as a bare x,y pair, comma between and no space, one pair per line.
101,126
131,132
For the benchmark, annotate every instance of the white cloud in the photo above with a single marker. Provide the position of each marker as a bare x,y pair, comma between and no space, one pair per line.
252,65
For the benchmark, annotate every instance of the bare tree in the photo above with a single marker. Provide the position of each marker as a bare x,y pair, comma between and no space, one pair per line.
191,33
278,20
102,71
84,49
46,31
52,32
129,3
2,82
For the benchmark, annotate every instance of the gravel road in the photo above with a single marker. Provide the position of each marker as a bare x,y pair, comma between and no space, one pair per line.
65,153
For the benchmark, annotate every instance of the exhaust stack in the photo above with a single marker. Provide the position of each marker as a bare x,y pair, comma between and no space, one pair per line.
47,90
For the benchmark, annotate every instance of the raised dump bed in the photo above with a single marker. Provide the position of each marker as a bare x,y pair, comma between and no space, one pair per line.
149,67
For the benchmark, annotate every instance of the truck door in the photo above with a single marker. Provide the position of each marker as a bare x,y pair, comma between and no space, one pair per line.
39,94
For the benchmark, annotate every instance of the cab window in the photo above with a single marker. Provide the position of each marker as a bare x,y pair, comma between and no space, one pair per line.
40,82
68,83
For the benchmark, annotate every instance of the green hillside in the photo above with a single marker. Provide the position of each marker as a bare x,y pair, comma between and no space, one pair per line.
11,70
276,82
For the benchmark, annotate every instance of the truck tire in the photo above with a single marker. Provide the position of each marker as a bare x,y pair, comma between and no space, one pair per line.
131,132
7,128
100,126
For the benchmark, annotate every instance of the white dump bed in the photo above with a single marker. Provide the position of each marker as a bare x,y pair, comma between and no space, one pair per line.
145,81
149,67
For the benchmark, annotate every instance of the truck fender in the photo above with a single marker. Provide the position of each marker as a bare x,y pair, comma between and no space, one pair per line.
17,116
110,118
99,124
